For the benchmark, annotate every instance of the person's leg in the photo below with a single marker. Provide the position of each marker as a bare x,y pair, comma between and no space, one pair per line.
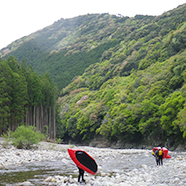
157,161
82,175
79,177
161,160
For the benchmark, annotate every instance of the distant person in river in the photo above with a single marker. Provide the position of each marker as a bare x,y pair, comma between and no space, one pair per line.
81,175
156,156
160,156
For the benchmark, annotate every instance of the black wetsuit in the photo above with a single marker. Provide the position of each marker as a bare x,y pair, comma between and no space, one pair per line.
81,175
157,157
161,160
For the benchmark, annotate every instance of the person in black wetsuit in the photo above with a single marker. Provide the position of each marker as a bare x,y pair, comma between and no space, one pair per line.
156,156
81,175
160,155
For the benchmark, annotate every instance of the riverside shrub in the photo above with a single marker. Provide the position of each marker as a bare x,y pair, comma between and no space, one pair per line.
24,137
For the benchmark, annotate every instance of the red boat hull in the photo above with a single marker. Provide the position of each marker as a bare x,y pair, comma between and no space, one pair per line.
83,160
165,152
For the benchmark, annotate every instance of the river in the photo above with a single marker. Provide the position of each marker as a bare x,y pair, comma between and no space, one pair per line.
115,167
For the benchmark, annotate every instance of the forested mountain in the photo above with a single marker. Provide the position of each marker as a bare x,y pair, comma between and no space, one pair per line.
66,48
137,90
129,75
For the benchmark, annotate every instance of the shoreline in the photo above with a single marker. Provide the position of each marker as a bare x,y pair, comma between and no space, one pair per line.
111,165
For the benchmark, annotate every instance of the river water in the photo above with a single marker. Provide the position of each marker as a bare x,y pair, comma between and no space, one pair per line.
108,160
33,172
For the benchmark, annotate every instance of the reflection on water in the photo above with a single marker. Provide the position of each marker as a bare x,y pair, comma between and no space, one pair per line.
34,172
16,177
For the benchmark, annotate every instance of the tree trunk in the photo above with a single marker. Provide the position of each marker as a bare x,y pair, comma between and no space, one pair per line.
34,116
37,117
26,116
41,120
50,125
54,120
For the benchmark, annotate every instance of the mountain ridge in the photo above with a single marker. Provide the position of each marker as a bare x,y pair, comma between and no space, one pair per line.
15,44
120,78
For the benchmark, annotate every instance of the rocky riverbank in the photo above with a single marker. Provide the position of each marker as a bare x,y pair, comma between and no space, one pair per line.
118,167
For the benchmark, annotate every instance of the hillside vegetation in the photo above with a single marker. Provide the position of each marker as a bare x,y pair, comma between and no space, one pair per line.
136,92
66,48
129,75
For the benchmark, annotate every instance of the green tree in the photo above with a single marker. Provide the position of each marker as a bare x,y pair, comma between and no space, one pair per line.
24,137
34,87
6,75
169,110
181,121
19,99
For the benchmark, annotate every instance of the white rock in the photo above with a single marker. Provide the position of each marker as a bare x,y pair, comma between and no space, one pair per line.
48,179
97,183
26,183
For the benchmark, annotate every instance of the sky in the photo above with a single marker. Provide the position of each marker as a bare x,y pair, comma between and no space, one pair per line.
19,18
